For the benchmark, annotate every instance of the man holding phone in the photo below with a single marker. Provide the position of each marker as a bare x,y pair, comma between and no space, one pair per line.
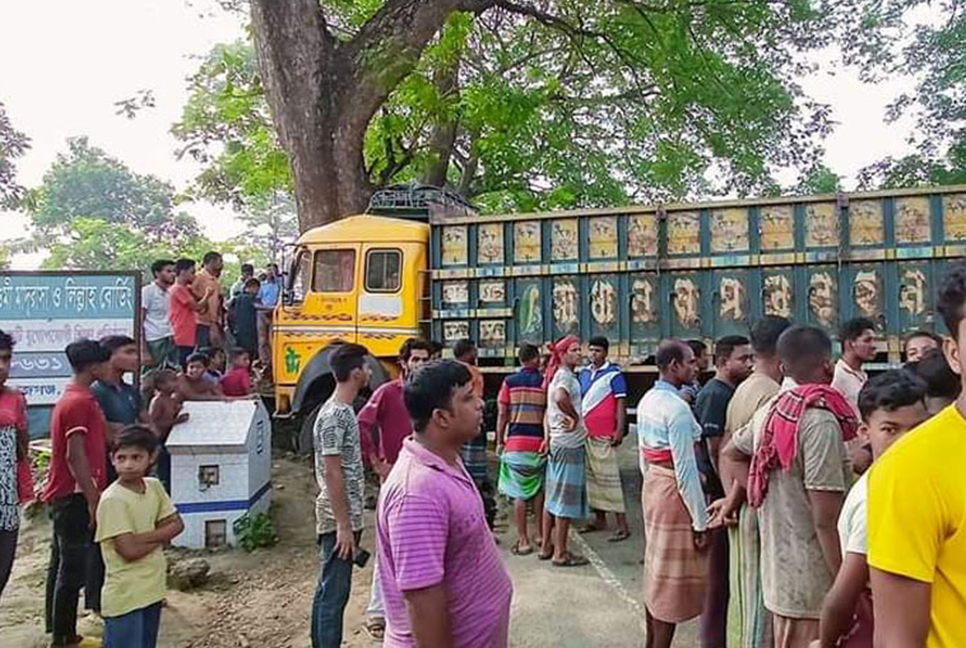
339,506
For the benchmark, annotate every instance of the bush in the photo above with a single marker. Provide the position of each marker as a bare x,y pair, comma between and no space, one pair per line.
254,532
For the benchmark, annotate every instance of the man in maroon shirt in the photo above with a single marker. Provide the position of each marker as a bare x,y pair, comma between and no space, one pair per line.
386,412
77,475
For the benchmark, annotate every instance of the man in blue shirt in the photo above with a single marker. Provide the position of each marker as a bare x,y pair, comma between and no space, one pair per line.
268,294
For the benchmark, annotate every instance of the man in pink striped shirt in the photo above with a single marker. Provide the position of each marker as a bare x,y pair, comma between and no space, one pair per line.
442,577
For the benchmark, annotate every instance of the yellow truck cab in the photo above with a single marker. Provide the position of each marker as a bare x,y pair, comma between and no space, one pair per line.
361,279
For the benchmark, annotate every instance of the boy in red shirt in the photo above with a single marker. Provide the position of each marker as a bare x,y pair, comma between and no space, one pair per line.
183,307
77,475
238,381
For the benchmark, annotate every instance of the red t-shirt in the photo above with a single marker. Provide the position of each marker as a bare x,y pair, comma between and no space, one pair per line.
237,382
181,314
76,412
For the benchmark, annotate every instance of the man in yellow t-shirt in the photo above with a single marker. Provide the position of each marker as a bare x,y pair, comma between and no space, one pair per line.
917,514
135,518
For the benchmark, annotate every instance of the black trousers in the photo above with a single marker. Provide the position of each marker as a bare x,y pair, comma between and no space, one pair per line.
75,563
8,549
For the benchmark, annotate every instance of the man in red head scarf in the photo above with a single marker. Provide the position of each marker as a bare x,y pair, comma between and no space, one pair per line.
566,482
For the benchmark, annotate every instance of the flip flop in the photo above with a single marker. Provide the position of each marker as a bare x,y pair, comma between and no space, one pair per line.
590,528
619,536
516,550
572,560
543,555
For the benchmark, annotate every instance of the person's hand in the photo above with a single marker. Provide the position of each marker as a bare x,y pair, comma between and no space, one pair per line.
700,540
182,417
345,544
569,423
382,467
544,448
616,441
92,510
499,449
722,512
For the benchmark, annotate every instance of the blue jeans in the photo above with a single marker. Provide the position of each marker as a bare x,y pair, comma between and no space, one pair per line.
331,594
137,629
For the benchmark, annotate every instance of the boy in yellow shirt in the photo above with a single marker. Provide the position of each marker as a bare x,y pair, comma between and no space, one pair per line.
135,518
917,513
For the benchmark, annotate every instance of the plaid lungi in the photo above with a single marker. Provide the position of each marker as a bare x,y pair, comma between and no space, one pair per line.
747,607
521,474
474,458
604,492
675,572
566,483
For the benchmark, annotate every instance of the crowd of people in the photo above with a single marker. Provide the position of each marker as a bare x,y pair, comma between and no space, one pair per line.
788,494
108,483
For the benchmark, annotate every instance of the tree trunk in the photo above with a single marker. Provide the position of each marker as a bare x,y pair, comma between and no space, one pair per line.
323,92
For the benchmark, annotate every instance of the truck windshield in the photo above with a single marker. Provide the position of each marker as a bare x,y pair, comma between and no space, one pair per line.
335,271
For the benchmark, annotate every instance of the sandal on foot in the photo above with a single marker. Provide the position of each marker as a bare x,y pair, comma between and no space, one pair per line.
572,560
545,555
517,550
619,536
590,528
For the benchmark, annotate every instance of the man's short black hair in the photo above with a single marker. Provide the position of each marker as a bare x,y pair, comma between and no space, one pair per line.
181,265
198,357
803,349
670,351
941,381
238,352
599,341
414,343
851,330
698,346
346,358
247,268
527,352
6,341
725,346
252,281
114,342
462,347
765,334
431,387
135,436
84,353
922,333
210,257
952,298
889,391
435,347
160,265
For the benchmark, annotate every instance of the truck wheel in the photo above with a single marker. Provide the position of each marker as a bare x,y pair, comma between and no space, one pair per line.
302,442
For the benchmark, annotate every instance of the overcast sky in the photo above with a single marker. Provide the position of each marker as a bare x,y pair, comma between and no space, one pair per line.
66,63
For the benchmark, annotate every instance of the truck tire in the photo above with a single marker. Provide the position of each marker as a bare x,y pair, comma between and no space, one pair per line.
302,441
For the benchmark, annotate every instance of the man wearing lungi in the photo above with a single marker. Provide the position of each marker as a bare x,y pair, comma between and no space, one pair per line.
675,520
603,394
794,453
520,445
566,472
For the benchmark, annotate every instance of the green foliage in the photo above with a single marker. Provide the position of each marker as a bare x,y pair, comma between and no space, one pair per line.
253,532
226,126
820,180
927,42
86,183
13,144
546,104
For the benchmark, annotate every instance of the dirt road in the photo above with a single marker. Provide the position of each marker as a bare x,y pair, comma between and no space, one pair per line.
263,599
